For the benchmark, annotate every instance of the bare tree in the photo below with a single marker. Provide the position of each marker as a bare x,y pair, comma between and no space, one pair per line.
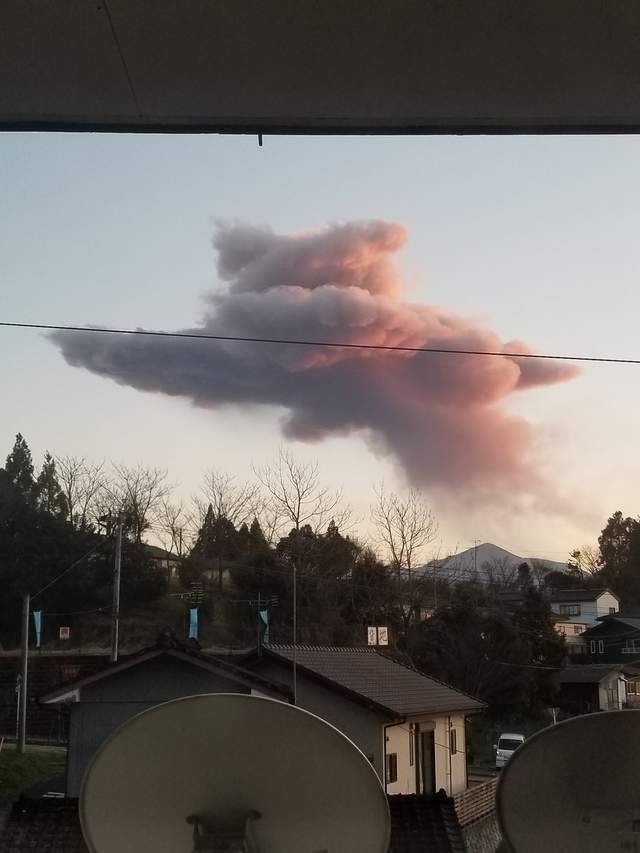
405,526
238,502
174,527
499,572
296,495
83,484
587,559
139,491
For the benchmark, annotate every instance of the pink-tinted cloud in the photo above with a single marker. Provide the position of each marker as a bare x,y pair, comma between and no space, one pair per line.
438,415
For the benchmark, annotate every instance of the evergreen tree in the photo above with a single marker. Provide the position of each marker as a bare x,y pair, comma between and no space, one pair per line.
47,490
19,467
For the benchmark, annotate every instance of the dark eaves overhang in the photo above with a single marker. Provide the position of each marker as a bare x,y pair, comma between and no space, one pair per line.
341,66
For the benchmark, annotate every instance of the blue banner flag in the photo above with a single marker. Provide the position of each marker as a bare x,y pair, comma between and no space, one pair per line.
193,623
37,622
264,616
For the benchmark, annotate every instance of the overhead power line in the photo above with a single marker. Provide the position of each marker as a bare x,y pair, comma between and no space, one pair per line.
331,344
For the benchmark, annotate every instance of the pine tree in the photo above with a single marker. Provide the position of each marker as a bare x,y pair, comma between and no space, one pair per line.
19,467
48,492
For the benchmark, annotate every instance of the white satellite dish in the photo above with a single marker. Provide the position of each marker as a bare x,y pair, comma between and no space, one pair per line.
232,772
574,787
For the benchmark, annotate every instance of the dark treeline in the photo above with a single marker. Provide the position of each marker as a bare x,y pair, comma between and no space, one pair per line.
240,545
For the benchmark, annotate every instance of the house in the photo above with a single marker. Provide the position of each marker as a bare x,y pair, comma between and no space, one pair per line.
583,606
100,702
597,687
572,633
614,639
410,726
163,561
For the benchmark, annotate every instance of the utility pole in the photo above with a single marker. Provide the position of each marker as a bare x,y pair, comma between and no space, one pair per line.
476,542
295,631
115,614
22,728
259,646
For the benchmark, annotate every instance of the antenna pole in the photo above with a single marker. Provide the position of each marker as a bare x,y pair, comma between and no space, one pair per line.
259,625
22,728
295,632
115,615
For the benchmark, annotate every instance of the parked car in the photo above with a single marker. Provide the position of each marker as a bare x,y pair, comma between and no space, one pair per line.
506,746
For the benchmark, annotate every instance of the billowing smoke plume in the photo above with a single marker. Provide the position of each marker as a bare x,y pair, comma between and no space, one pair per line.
439,415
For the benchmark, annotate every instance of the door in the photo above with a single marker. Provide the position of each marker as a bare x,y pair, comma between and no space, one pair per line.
425,762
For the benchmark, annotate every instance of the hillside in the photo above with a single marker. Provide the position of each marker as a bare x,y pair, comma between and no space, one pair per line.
488,562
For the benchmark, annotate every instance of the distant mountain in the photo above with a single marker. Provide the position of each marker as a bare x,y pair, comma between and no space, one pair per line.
488,562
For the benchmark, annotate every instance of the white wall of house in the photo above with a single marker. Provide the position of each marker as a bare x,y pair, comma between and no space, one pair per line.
588,611
612,692
450,771
571,630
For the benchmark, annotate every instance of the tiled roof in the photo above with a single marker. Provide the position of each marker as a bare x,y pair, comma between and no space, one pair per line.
378,679
418,824
632,622
422,824
45,826
183,651
568,595
589,674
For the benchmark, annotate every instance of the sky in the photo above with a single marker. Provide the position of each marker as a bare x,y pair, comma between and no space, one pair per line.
531,238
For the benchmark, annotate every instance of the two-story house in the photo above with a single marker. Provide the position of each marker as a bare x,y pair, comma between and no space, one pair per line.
614,639
582,607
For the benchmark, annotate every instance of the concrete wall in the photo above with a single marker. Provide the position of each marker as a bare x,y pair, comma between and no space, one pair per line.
451,776
358,723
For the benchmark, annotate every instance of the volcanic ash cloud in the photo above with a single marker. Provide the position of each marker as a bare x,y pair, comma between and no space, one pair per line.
438,415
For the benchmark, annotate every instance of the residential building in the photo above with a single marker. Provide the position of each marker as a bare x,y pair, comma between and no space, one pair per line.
99,703
614,639
572,633
597,687
410,726
583,606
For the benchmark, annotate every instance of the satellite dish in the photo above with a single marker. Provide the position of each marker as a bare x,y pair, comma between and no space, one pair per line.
574,787
232,772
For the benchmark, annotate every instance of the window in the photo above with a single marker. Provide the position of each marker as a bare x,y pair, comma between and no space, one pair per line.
391,767
631,647
412,744
632,688
600,647
569,609
592,647
577,629
612,611
453,737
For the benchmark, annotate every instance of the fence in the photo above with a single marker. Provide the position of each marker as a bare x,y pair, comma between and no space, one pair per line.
476,803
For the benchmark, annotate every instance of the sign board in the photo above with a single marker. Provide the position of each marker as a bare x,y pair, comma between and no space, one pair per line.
64,632
378,636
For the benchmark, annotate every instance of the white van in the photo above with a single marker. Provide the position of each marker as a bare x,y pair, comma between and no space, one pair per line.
506,746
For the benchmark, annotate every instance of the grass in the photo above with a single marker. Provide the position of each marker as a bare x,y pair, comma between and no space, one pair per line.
20,772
